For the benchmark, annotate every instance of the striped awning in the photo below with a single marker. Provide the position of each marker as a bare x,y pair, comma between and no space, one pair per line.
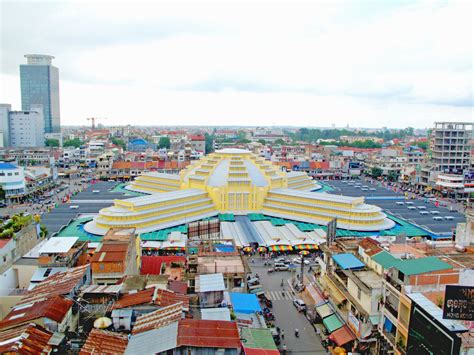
174,248
306,247
280,247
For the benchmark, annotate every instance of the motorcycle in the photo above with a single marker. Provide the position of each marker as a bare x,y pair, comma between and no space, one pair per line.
297,333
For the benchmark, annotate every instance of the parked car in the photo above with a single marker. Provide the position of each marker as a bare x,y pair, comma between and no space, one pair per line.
297,260
281,267
299,304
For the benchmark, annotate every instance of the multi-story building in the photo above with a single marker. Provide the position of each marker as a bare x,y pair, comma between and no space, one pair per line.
450,159
5,124
40,86
22,128
117,256
30,156
450,147
12,181
27,128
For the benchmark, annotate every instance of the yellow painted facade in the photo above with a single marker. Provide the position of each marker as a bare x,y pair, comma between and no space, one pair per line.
235,181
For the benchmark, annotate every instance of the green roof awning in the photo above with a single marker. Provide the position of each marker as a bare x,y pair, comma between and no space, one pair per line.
421,265
385,259
332,323
258,338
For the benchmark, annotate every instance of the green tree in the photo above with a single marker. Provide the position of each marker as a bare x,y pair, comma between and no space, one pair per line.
118,142
43,231
210,141
76,143
262,141
244,141
164,143
392,176
376,172
51,142
280,141
422,145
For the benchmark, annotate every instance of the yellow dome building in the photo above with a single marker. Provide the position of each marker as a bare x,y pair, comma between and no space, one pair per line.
233,181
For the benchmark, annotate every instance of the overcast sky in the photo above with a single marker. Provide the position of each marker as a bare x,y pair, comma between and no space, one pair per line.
317,63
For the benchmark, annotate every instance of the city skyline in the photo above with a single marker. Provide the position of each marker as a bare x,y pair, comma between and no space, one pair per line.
365,64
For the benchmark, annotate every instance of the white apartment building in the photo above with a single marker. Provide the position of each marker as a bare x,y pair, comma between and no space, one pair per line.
12,180
22,129
27,128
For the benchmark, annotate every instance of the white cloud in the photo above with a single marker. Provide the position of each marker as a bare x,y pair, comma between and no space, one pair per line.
362,63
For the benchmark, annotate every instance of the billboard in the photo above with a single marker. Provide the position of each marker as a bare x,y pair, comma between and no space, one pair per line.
428,336
459,302
331,232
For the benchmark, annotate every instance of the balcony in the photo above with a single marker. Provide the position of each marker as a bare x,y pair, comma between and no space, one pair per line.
388,306
393,283
390,337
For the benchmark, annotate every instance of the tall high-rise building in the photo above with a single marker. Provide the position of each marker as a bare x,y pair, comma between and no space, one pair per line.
40,86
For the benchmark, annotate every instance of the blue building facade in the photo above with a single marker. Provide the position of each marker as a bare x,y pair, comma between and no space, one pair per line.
40,86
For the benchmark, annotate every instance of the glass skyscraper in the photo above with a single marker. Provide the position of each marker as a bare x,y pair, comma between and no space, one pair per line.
40,86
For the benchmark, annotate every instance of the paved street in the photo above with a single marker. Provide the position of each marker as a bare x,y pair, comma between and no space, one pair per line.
287,317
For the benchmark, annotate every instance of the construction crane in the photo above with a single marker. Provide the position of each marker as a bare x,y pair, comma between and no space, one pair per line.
93,119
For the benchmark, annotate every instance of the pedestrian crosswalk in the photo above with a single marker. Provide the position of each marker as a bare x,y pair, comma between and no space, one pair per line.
278,295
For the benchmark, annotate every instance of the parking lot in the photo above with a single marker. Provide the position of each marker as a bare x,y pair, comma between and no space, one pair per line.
438,220
85,202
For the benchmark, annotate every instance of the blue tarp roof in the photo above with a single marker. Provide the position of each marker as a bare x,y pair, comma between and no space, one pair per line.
244,302
348,261
5,166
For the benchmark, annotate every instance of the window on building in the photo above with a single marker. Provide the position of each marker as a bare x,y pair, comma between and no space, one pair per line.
101,266
401,276
358,293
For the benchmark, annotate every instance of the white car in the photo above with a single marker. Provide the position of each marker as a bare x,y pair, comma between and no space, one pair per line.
298,261
299,304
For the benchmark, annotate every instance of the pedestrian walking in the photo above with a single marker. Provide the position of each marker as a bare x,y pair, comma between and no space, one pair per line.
282,334
284,348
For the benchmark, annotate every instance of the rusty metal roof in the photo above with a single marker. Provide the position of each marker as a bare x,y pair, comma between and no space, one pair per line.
31,338
208,334
100,342
61,283
135,298
54,308
159,318
166,298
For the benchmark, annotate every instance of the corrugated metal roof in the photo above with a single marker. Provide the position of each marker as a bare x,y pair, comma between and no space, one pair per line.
385,259
54,308
152,264
135,298
30,338
210,282
257,338
166,298
208,334
98,289
222,313
159,318
153,341
348,261
58,245
421,265
103,342
61,283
